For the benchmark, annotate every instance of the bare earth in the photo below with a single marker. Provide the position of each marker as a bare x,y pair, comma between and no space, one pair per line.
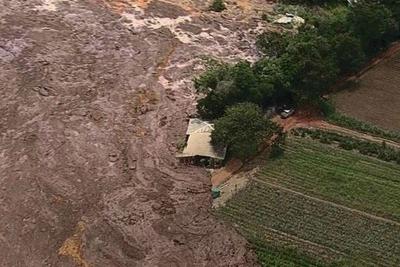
94,95
377,98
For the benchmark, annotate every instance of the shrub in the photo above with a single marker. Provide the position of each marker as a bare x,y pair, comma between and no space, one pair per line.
347,144
380,151
273,44
327,108
217,5
277,147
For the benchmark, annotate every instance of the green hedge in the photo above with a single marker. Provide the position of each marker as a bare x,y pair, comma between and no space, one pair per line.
373,149
354,124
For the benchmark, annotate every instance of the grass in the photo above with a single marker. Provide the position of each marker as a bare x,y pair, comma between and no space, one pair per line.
306,208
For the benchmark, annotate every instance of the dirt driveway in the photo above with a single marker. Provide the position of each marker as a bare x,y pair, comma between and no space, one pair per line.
94,95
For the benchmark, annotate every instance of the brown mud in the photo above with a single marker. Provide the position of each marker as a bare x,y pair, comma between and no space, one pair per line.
94,95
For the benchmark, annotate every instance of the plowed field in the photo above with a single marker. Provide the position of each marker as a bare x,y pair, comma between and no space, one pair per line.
377,98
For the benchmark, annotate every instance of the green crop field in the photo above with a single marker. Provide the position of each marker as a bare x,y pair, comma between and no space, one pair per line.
321,206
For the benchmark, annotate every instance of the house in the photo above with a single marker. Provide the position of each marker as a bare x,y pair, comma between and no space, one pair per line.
198,144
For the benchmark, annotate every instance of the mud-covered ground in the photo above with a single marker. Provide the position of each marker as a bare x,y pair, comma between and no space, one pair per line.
94,95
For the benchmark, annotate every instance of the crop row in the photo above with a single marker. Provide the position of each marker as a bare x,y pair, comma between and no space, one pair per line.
279,249
302,148
263,207
348,182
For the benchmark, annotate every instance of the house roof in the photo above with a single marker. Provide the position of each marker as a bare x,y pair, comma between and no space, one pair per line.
199,144
199,126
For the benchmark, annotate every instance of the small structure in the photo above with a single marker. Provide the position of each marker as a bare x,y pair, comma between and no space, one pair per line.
198,147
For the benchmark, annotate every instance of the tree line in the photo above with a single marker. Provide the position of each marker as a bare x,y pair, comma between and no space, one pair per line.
299,66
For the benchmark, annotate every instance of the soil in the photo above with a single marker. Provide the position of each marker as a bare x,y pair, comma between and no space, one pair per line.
94,95
376,98
232,185
223,174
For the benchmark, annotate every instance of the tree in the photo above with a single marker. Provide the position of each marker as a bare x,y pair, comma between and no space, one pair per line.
272,82
333,21
349,52
218,6
394,6
310,64
225,86
243,128
374,24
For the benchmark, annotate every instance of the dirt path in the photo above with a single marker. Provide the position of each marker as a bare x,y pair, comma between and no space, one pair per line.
94,96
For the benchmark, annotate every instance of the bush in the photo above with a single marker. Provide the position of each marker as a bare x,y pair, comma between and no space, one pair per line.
218,5
327,108
277,148
347,144
273,44
380,151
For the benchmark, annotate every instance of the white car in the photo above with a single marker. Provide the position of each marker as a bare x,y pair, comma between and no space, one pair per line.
286,113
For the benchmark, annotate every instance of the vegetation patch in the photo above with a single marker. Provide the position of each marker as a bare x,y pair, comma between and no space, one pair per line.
373,149
217,5
301,65
321,206
360,126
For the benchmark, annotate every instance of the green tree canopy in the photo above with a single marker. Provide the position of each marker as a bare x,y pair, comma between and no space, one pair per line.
243,128
349,52
374,23
225,86
310,64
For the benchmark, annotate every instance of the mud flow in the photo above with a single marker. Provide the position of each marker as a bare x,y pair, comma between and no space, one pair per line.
94,95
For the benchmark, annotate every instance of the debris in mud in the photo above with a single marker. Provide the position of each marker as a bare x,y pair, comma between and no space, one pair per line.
41,90
113,157
163,121
72,246
96,115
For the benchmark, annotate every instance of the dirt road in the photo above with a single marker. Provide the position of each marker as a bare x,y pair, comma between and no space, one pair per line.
94,95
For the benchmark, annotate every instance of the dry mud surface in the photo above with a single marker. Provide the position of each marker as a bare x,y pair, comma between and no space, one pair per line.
94,95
